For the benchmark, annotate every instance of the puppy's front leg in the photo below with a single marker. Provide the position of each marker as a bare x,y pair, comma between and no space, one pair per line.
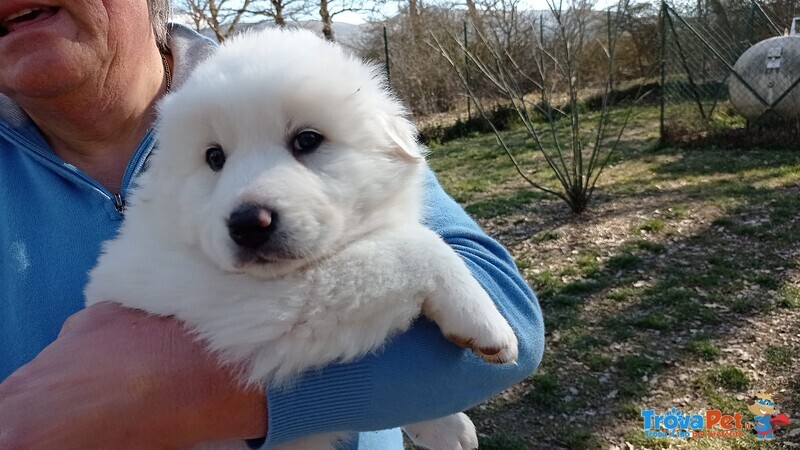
329,441
462,308
453,432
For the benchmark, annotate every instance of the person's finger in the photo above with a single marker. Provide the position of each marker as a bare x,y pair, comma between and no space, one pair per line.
94,316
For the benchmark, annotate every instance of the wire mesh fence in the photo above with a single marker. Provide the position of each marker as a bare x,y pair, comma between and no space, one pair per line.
730,73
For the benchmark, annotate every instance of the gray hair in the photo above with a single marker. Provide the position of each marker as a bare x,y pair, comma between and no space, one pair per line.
159,16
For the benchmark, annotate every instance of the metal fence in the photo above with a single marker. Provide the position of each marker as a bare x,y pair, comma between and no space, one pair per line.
730,75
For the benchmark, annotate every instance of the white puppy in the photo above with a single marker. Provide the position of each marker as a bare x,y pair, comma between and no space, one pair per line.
281,220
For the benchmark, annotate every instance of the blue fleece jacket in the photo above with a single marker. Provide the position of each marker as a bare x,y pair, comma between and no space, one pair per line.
53,219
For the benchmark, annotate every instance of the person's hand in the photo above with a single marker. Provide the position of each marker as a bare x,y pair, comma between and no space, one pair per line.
118,378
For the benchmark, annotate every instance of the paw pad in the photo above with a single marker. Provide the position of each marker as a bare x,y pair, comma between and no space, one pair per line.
492,355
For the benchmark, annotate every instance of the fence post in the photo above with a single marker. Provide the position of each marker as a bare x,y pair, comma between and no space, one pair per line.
608,25
750,20
662,27
466,71
541,55
386,54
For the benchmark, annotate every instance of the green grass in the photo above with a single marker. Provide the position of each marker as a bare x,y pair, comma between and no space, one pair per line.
565,300
723,222
679,249
652,321
501,441
638,440
579,439
547,235
789,297
582,287
704,349
562,320
588,266
731,378
721,261
545,283
624,261
741,306
546,393
597,362
653,225
523,264
677,212
629,411
634,366
705,316
583,342
779,356
621,294
726,402
502,204
678,297
632,389
725,377
767,281
642,244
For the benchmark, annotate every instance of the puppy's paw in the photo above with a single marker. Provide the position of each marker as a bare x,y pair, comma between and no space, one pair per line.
505,351
467,316
484,331
481,329
454,432
494,343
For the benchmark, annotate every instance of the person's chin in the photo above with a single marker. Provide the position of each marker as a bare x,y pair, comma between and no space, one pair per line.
47,48
43,73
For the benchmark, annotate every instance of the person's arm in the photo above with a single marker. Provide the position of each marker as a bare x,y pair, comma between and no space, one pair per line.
120,378
419,375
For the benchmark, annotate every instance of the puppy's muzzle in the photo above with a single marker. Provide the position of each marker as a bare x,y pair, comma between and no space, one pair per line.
251,226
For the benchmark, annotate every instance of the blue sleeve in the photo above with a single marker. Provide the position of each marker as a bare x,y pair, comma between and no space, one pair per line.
418,375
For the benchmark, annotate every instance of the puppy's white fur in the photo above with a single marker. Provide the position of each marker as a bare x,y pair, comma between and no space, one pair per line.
351,264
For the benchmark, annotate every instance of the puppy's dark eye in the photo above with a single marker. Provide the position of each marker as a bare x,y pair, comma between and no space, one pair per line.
215,157
307,141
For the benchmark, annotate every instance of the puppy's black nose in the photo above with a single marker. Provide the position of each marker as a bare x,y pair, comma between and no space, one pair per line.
251,225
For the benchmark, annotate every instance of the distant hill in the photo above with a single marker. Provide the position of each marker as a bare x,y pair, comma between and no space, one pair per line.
351,35
345,33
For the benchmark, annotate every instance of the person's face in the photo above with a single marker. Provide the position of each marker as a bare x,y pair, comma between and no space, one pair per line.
61,44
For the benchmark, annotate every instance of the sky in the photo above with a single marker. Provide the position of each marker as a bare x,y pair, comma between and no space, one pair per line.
391,7
349,17
355,18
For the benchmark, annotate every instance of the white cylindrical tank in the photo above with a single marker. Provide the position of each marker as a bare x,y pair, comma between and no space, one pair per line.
771,68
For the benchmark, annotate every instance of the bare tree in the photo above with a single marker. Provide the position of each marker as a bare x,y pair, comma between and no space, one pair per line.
278,7
640,46
327,20
328,9
194,9
577,160
223,17
425,86
282,11
475,16
428,87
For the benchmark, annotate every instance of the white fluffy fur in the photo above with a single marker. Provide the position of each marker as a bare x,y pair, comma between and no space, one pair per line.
361,266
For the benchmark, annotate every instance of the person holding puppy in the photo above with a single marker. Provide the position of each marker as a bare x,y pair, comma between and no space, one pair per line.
79,84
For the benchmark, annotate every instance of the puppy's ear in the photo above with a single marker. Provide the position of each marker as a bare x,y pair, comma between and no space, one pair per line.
403,136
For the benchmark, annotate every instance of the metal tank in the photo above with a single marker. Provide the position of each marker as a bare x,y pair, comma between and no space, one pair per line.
770,70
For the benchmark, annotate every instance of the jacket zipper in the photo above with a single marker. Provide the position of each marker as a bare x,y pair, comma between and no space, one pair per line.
119,203
134,165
